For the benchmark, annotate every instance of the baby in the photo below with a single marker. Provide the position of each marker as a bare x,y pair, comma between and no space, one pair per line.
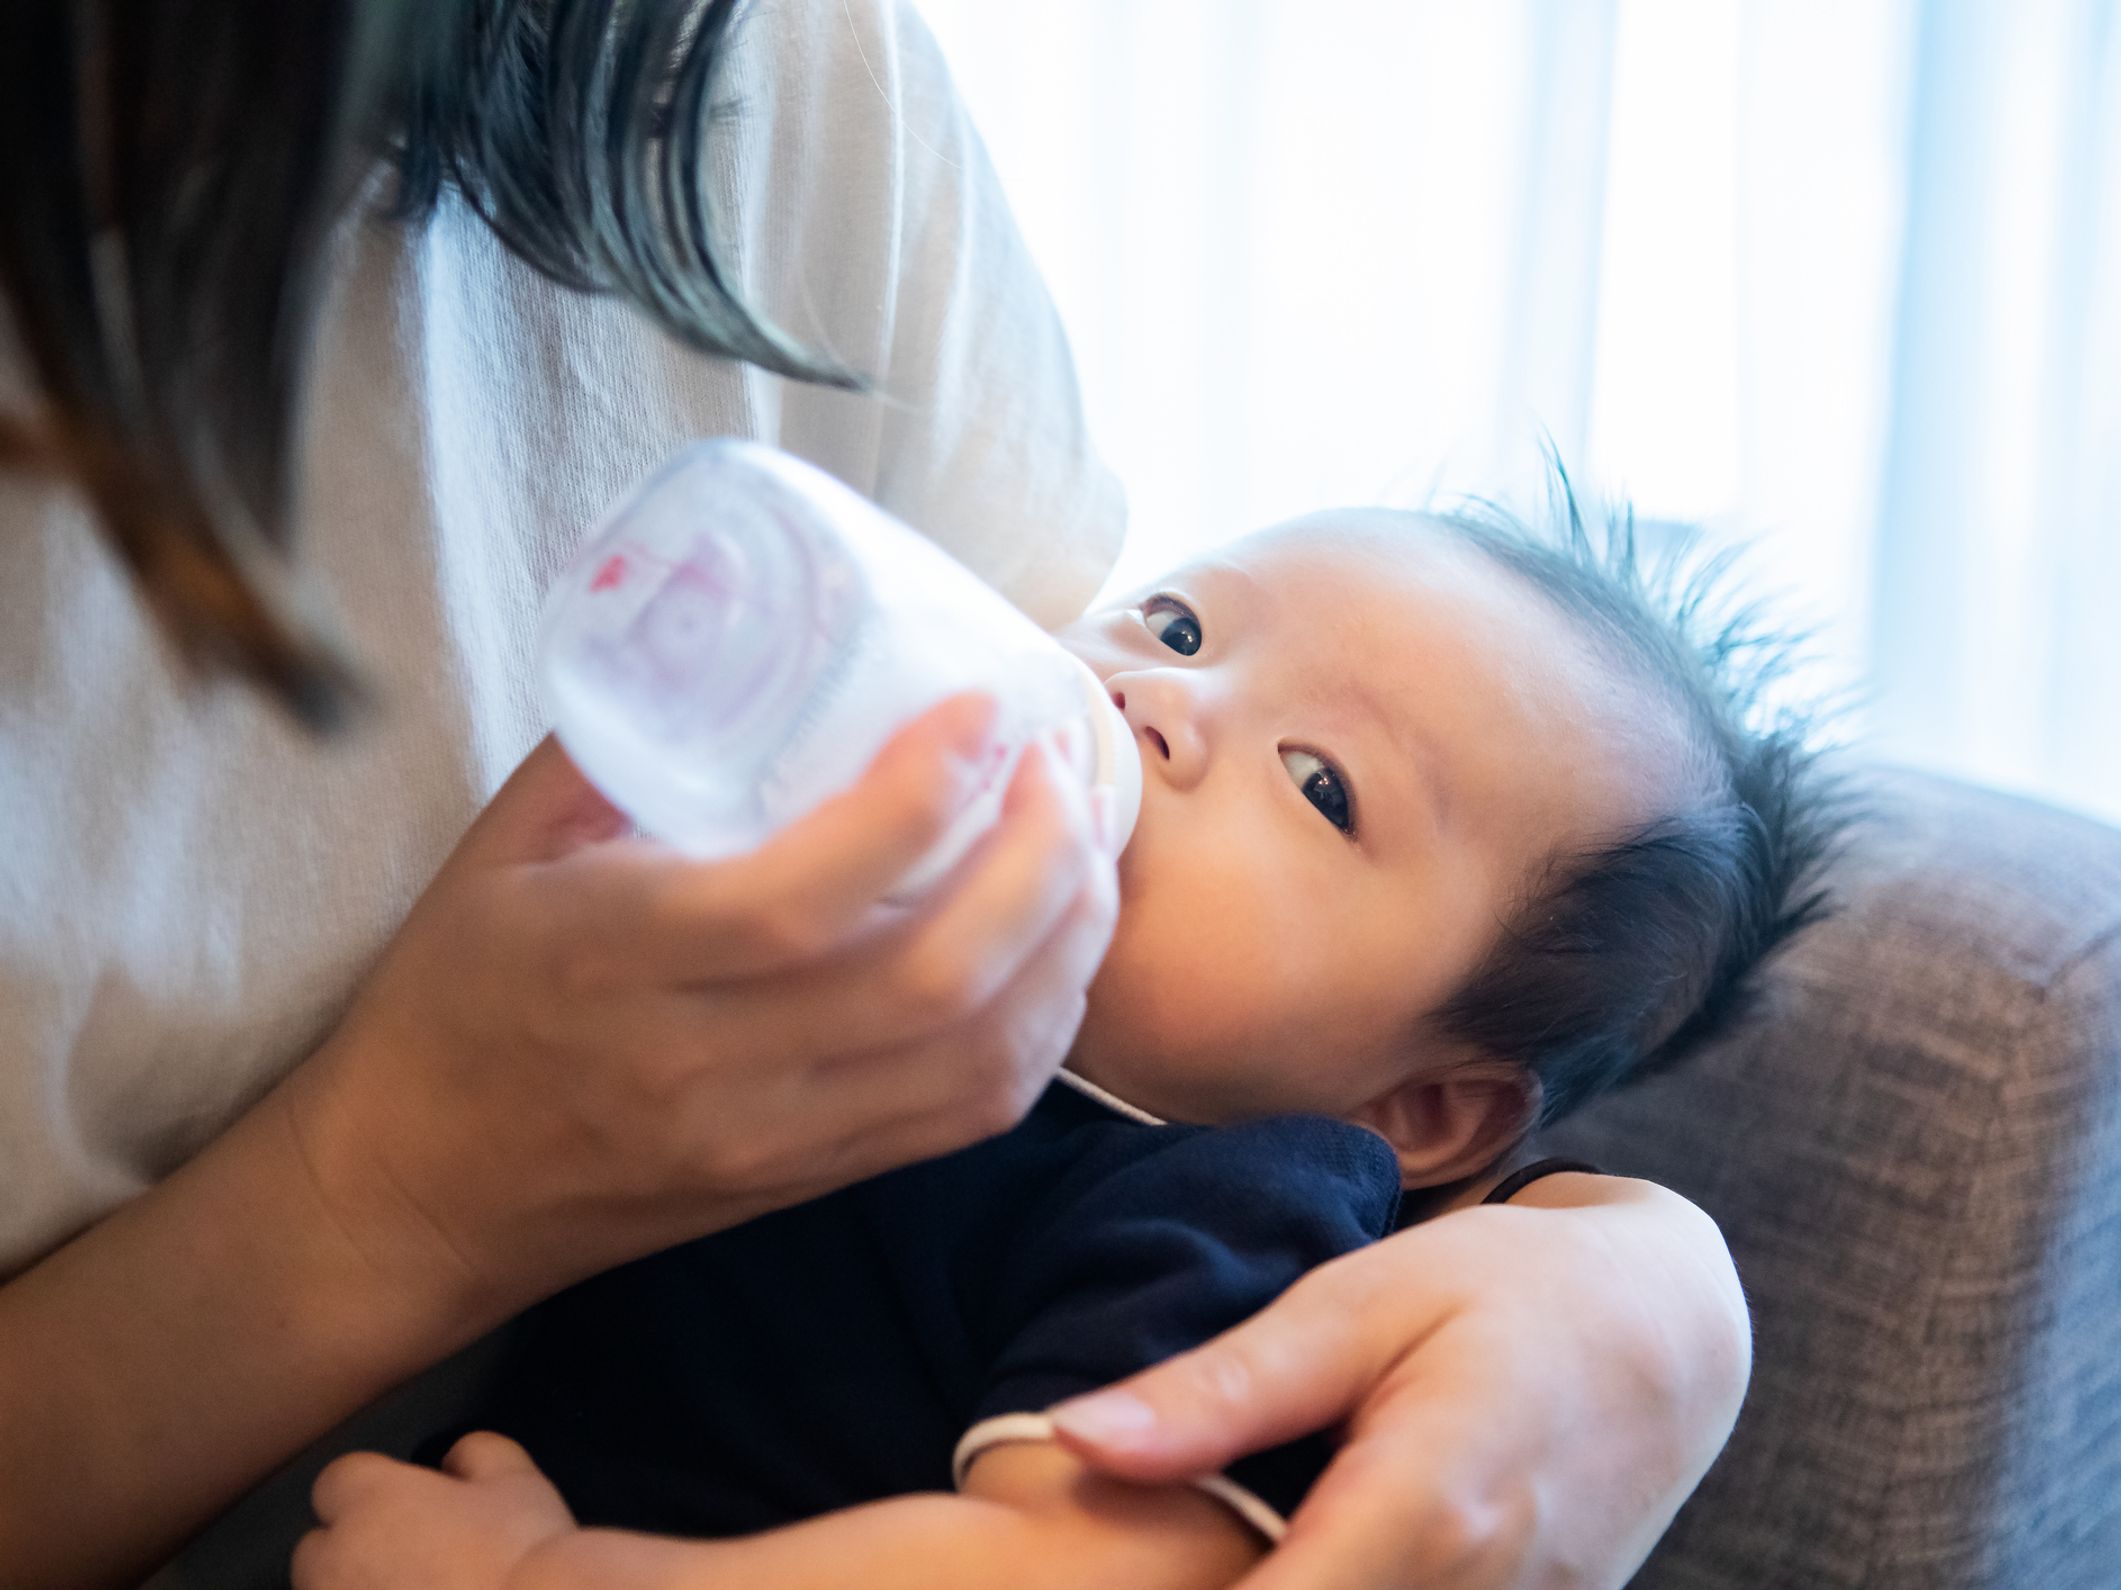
1445,828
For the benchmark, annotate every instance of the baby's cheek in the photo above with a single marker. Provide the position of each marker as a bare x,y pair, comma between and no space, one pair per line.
1121,993
1135,1010
1164,991
1192,965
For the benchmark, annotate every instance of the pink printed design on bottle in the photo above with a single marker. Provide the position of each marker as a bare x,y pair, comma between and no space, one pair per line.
743,633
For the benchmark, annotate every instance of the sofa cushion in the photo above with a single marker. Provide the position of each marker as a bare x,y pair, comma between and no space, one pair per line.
1915,1153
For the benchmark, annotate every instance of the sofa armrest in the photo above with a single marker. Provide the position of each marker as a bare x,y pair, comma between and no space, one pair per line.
1915,1153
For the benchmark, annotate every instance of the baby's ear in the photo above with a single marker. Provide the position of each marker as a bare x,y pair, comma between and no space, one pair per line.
1448,1126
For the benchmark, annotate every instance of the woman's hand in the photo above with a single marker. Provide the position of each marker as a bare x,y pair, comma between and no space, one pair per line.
470,1527
582,1046
1529,1393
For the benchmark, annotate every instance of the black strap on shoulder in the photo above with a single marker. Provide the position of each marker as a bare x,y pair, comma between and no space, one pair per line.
1517,1181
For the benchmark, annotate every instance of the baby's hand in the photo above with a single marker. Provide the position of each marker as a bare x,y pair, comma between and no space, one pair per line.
387,1524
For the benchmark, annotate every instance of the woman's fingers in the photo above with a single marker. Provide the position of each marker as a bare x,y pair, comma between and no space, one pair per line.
1411,1497
1407,1499
808,889
1516,1410
926,1096
649,1030
1302,1364
891,1107
835,862
942,966
927,1037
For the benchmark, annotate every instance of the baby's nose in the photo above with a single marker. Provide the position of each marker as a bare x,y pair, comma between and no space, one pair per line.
1171,739
1147,731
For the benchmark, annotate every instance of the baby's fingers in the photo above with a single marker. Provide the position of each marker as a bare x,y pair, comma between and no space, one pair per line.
486,1455
354,1481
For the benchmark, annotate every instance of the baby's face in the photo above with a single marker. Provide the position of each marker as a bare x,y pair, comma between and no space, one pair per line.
1361,742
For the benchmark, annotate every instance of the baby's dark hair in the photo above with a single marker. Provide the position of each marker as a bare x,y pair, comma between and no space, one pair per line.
1625,959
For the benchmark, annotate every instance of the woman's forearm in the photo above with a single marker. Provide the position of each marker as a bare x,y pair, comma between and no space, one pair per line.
173,1354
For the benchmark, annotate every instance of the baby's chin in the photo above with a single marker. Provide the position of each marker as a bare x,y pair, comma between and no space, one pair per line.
1129,1087
1119,1048
1117,1068
1136,1046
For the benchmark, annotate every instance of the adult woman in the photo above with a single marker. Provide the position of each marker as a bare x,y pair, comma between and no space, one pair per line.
568,1053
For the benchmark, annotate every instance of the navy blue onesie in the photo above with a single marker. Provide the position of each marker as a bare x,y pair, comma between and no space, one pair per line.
835,1353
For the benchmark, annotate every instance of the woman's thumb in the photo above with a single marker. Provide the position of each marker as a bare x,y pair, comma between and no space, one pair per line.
544,810
1190,1415
1301,1365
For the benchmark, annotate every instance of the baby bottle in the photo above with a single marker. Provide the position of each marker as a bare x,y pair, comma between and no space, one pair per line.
742,634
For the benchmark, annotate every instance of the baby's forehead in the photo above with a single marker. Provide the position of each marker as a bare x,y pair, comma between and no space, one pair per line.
1422,594
1386,563
1335,536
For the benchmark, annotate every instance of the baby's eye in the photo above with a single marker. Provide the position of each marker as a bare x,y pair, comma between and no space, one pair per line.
1323,785
1173,623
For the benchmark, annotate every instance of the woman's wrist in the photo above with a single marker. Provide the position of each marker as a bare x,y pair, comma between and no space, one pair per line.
229,1311
364,1209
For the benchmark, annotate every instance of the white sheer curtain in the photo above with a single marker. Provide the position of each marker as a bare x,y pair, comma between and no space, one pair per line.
1839,277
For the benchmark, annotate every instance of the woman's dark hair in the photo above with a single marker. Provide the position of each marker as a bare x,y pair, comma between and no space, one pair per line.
171,175
1628,958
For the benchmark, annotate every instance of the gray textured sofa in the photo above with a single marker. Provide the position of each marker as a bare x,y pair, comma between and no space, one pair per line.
1916,1158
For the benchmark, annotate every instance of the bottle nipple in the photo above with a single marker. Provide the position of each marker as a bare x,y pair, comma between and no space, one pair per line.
1111,760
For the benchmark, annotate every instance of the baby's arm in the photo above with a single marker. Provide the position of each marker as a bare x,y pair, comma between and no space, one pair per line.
1030,1515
